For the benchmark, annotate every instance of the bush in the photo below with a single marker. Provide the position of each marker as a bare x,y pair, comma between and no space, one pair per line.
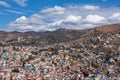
16,70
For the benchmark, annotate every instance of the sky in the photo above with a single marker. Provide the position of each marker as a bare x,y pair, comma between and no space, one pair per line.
49,15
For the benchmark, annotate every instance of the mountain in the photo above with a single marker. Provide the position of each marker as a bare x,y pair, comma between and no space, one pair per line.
109,28
48,37
104,30
57,36
5,36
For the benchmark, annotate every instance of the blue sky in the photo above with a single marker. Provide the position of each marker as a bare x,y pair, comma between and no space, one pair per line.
48,15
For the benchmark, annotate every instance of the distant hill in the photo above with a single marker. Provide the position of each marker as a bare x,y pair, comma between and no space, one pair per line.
57,36
48,37
109,28
101,30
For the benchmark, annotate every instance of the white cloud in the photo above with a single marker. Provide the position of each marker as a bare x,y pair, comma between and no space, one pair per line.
14,11
23,18
53,12
115,16
54,9
21,2
87,26
56,23
2,3
94,19
91,7
72,17
27,24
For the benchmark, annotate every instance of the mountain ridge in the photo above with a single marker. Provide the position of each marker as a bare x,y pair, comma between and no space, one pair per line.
57,36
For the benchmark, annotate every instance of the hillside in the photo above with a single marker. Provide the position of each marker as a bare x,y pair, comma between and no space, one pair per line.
101,31
57,36
48,37
108,28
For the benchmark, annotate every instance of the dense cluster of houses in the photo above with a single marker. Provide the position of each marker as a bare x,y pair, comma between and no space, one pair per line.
95,58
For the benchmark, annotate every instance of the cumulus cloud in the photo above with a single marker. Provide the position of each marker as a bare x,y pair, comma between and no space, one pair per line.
5,4
21,2
27,24
54,12
115,16
72,17
54,9
23,18
87,26
94,19
56,23
68,20
91,7
36,23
